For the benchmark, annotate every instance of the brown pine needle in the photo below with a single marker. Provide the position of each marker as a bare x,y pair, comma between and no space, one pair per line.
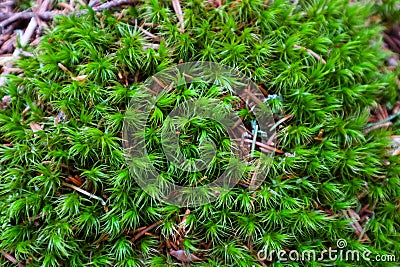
61,66
280,121
139,229
11,258
178,10
312,53
80,190
162,85
147,229
267,147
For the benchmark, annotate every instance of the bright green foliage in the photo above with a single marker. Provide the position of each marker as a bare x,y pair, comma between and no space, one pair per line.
300,204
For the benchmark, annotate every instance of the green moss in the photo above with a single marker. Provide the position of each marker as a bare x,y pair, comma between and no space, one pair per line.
45,223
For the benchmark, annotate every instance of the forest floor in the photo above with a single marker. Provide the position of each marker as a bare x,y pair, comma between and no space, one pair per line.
22,26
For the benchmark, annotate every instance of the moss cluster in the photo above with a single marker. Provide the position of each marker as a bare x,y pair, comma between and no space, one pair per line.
318,61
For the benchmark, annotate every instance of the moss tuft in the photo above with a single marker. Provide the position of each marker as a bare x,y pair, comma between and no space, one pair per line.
318,62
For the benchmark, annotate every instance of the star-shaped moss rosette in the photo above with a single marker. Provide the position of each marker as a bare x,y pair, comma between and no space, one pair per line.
318,66
184,139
